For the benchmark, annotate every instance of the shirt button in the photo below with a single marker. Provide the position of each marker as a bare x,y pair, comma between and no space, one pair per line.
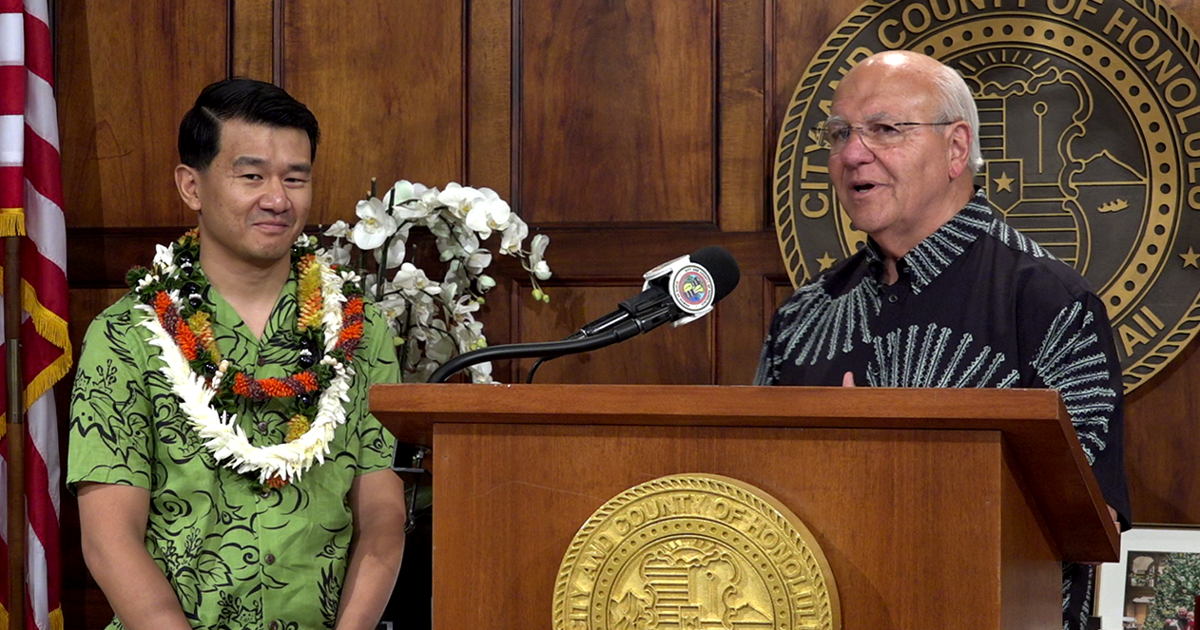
892,299
262,426
266,494
274,625
269,558
262,360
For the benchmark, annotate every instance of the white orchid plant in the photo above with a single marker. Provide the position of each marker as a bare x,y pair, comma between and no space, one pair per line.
434,321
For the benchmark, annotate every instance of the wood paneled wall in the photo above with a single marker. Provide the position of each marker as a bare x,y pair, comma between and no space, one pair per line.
630,131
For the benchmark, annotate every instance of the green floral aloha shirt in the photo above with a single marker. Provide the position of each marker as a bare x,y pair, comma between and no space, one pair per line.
238,555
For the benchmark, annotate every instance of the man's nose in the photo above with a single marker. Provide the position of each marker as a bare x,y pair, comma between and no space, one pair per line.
856,150
275,197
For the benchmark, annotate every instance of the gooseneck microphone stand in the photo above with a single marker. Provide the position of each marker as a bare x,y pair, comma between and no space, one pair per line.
551,349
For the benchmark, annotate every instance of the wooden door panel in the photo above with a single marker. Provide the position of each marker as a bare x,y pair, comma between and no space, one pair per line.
385,81
127,72
616,111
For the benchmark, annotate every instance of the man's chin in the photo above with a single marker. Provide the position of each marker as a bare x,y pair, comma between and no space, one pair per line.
270,251
866,217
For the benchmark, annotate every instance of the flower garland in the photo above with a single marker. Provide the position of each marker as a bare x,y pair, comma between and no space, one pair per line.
330,321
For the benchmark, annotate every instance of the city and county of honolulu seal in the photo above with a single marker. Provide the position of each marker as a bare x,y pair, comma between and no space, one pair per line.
1090,125
694,551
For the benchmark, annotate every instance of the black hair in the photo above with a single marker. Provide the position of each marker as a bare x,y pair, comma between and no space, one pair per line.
243,99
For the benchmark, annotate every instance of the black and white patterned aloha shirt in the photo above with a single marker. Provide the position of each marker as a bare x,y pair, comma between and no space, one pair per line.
977,304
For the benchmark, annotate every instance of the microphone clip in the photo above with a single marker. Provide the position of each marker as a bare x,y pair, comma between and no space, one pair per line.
690,286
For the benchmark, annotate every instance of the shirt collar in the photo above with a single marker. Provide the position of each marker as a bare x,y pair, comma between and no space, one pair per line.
225,316
932,256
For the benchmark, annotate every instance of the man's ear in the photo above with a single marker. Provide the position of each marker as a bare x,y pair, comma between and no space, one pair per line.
187,180
959,149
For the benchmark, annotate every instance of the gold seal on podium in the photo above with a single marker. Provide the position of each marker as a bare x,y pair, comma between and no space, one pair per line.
694,551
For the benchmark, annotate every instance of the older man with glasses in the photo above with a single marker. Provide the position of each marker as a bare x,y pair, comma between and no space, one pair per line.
945,294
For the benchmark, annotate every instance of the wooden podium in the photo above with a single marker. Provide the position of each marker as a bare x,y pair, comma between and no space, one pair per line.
936,509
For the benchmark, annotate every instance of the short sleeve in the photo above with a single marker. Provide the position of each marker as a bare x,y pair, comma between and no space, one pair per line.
375,363
111,436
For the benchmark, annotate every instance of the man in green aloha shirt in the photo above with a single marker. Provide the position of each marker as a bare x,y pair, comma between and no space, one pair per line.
229,473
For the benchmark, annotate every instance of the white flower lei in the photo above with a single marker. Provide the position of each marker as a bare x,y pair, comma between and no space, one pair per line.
226,440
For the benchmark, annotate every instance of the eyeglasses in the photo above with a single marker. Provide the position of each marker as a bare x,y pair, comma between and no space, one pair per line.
835,136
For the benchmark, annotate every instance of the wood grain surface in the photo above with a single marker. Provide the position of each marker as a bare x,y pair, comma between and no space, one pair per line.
630,131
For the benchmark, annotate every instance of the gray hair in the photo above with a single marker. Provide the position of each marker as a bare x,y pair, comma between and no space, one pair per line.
958,104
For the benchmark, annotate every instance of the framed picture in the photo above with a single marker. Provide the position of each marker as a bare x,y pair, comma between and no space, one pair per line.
1155,584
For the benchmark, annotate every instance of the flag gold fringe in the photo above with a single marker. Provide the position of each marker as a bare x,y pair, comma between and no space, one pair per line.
48,323
12,222
56,618
54,328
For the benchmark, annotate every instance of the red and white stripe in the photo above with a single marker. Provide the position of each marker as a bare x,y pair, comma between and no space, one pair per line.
31,203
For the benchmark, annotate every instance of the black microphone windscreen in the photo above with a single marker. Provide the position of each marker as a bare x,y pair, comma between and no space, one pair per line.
723,268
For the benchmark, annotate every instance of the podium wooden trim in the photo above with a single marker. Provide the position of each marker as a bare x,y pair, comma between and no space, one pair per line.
1000,471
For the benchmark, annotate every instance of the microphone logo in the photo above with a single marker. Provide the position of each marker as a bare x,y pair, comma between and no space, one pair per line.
692,288
689,284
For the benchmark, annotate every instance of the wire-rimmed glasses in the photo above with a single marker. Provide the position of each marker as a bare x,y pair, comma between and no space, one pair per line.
836,135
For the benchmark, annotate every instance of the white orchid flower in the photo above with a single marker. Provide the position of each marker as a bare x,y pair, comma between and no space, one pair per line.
479,260
414,210
423,308
514,235
439,346
339,254
463,308
429,199
413,280
339,229
537,250
394,257
405,190
456,276
393,307
469,335
420,334
454,244
408,201
458,199
374,224
397,249
488,213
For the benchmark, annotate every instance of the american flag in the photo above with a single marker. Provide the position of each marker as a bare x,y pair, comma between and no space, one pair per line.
31,207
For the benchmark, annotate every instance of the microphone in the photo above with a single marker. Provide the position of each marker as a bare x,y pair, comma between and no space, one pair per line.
679,291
